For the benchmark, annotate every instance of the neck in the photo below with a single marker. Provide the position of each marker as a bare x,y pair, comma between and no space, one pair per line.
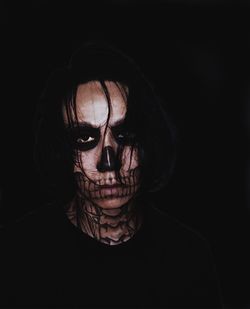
109,226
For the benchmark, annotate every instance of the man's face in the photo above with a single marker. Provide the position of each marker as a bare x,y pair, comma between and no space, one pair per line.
96,144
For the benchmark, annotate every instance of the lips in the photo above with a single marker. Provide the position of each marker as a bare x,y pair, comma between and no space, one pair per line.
110,191
110,186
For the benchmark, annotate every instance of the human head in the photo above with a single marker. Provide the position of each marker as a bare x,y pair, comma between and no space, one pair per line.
114,77
106,162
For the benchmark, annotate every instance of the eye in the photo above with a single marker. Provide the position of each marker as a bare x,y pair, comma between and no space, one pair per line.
85,142
120,136
82,138
85,139
125,138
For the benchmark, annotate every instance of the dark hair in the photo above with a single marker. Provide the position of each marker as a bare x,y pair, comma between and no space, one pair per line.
145,116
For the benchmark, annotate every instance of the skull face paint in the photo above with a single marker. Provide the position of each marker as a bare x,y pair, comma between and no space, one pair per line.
106,163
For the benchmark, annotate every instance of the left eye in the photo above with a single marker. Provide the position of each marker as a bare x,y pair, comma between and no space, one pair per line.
120,136
125,138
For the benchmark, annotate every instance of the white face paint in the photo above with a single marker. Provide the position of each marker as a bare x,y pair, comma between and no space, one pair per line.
97,148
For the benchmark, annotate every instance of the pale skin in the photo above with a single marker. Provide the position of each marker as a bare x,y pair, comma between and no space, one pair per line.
107,209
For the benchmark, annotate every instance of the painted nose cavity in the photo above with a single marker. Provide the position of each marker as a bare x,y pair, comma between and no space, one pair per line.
108,160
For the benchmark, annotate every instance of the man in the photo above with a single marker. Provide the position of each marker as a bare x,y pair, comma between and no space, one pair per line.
104,146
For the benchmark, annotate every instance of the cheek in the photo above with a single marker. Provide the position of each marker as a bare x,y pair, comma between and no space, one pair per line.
130,161
86,160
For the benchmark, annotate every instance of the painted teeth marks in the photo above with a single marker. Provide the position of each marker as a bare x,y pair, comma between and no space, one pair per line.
92,188
111,228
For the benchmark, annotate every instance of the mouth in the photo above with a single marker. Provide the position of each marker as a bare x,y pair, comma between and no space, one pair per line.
111,186
111,191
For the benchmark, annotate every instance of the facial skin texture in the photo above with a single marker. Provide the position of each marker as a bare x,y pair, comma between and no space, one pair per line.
106,213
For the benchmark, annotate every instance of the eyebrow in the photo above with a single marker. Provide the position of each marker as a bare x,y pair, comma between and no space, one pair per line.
85,124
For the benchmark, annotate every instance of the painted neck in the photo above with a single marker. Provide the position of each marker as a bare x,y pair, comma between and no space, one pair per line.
109,226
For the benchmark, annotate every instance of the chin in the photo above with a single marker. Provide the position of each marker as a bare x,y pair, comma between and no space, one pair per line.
112,202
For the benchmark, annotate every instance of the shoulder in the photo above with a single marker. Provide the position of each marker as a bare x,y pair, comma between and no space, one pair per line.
167,224
184,255
38,223
171,234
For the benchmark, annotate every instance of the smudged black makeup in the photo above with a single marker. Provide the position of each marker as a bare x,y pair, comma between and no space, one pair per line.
123,136
83,138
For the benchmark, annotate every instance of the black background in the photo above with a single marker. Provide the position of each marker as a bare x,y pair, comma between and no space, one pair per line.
196,55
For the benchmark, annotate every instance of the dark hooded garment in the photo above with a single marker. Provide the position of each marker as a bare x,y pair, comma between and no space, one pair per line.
48,262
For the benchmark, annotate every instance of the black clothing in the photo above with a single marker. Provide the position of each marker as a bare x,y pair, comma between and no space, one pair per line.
48,262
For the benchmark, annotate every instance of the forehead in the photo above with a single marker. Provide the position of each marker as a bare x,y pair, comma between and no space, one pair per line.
92,105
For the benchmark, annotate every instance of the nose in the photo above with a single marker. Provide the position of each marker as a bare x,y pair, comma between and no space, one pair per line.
109,161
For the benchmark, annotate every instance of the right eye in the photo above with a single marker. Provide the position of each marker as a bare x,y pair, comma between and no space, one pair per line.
85,139
86,142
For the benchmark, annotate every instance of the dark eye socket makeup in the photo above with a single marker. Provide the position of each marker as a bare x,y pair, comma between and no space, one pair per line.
122,135
84,136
